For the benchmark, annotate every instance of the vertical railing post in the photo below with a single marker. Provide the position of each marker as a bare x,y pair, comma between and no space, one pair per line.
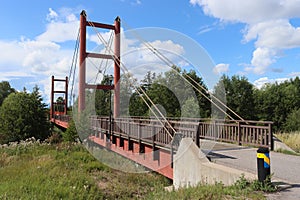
154,149
271,142
239,134
198,135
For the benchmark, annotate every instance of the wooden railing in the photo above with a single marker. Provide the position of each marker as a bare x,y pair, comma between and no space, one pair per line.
64,118
160,132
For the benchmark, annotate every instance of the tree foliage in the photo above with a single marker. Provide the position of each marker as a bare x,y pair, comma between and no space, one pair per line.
172,91
70,134
173,94
293,121
239,95
5,90
23,115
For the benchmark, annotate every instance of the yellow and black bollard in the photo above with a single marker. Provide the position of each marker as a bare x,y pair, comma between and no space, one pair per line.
263,164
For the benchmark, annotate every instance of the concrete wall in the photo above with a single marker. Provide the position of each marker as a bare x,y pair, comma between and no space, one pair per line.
191,167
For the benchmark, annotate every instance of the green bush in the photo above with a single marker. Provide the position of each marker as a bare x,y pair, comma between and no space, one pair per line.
70,135
22,116
293,121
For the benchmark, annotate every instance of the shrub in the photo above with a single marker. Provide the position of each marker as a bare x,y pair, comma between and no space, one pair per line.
23,115
70,135
293,121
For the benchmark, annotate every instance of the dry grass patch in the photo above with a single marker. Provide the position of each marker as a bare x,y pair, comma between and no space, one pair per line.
291,139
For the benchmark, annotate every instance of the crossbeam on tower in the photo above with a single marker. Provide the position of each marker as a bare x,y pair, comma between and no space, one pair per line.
53,92
83,54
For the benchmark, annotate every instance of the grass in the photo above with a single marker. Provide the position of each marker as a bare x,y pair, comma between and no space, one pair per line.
291,139
69,171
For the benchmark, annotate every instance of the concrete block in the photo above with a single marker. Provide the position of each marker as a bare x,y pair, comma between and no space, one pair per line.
191,167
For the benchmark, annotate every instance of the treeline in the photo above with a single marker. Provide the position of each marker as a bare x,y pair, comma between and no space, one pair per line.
22,114
174,97
278,102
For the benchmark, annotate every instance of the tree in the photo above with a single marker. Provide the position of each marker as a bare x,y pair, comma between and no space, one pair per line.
60,104
70,134
293,121
5,90
276,101
23,115
203,102
188,109
103,98
239,96
172,90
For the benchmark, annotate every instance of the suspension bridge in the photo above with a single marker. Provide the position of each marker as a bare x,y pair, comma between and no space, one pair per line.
155,142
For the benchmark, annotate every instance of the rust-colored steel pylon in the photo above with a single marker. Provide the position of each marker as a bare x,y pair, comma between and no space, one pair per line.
53,104
82,62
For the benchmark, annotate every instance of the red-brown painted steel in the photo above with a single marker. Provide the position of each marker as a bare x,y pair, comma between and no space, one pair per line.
52,98
100,25
66,96
82,57
100,87
117,67
60,123
65,92
162,166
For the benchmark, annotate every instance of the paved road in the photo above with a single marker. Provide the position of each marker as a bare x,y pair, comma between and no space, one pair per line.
286,168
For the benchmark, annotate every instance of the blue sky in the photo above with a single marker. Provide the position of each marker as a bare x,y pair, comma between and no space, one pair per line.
257,39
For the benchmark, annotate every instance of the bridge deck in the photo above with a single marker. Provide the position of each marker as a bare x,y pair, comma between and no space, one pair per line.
151,144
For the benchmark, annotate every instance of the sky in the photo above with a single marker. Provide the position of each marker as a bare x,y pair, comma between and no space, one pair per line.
256,39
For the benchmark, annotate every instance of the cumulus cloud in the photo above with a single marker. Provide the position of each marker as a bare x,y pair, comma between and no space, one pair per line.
266,22
42,56
52,15
46,54
136,56
221,68
61,28
261,82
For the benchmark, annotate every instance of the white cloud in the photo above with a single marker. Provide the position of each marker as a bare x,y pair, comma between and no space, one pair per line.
261,82
52,15
221,68
9,75
43,56
267,22
62,27
249,12
10,50
294,74
262,58
270,34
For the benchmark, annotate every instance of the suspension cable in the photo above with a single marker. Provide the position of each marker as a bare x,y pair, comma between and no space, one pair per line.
74,60
74,54
170,63
102,60
124,69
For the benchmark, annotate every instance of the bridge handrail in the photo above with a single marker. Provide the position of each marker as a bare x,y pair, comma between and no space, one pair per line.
255,133
64,118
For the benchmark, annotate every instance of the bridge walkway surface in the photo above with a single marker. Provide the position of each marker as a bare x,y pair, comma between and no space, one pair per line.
285,168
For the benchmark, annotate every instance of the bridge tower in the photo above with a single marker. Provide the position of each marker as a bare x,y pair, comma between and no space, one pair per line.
53,104
83,54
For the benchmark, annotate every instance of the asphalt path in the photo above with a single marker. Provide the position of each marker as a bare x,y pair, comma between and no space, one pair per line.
285,168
